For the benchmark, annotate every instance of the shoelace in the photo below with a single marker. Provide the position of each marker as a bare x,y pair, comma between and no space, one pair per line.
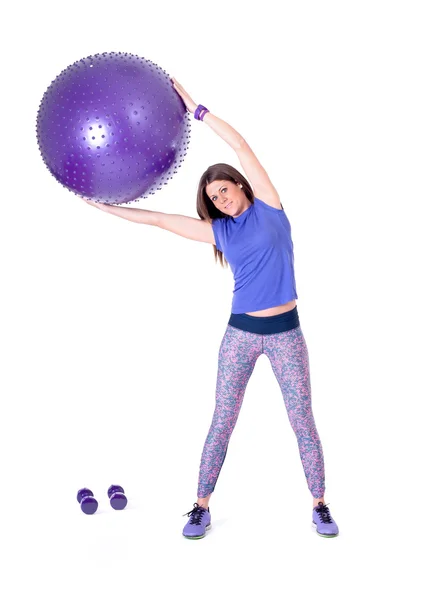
196,514
323,513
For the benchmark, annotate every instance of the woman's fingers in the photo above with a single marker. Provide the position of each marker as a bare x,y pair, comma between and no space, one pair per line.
190,105
178,86
91,202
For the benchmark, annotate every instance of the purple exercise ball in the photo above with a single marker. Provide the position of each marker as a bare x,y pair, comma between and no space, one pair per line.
111,127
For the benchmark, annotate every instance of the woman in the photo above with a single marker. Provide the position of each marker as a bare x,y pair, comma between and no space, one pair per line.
244,220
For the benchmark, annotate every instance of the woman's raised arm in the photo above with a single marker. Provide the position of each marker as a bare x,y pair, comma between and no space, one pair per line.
255,172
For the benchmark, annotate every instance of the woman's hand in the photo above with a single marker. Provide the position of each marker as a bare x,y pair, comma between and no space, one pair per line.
190,104
100,205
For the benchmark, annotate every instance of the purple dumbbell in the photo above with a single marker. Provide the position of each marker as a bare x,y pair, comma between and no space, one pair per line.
88,504
118,499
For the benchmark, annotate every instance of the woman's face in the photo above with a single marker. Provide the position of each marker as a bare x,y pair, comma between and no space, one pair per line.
227,196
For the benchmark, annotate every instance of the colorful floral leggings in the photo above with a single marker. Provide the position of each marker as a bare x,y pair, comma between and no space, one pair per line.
288,354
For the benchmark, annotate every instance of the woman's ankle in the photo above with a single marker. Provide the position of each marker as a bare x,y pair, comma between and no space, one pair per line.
203,501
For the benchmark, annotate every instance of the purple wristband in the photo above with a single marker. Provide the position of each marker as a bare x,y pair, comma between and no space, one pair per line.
198,111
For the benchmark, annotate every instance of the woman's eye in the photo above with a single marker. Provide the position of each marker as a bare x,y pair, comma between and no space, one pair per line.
224,189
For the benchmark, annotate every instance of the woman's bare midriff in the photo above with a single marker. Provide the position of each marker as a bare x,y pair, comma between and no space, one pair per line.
275,310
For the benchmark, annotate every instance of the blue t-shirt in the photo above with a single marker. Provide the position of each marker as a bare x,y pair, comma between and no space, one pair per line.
259,249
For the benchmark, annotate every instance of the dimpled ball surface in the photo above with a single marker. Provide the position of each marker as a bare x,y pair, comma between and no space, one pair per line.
112,128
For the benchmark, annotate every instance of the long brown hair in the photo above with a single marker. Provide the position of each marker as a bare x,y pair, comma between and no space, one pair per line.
206,208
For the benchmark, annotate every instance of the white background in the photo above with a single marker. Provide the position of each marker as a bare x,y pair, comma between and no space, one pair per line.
110,330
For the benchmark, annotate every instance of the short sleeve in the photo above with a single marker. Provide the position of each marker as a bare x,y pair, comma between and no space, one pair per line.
217,231
264,204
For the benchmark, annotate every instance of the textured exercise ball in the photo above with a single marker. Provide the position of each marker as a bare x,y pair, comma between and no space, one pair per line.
111,127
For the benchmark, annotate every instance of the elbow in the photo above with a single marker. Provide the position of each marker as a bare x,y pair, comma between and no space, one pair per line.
239,142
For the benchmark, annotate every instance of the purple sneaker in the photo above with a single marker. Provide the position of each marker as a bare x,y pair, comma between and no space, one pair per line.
198,524
323,523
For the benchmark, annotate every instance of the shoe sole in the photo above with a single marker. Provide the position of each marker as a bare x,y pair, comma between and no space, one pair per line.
330,535
197,537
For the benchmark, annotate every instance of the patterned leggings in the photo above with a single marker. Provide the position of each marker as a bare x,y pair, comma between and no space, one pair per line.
288,354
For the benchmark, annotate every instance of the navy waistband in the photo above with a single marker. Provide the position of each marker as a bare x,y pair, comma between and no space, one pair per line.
275,324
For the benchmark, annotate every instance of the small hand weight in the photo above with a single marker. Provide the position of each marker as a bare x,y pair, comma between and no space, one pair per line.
88,504
118,499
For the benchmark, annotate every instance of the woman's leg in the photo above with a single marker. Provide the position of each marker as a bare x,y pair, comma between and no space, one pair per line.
288,355
238,354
